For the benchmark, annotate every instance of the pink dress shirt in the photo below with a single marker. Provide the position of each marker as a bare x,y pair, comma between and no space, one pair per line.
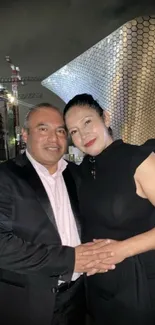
58,196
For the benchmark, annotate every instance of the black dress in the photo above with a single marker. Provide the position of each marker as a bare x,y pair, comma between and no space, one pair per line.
111,208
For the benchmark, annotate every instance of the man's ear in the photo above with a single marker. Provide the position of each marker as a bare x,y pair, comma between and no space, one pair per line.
107,118
24,135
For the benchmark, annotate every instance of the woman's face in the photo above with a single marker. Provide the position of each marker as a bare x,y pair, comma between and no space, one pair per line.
88,130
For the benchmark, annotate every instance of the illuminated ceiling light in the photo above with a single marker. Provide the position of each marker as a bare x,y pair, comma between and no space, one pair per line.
11,98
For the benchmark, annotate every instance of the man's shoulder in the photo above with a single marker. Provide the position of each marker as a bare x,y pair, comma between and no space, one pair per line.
5,172
5,165
11,165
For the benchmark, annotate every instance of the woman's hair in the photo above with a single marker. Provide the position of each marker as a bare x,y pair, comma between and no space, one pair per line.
85,100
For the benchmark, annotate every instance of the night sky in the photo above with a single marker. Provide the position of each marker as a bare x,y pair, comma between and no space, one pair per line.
42,36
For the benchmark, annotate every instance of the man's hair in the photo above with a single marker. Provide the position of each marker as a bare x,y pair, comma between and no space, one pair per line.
37,108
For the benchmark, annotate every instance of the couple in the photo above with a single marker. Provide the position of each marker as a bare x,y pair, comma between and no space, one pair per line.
41,255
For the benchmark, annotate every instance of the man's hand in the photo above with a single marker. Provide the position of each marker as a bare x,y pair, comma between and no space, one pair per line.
86,260
117,250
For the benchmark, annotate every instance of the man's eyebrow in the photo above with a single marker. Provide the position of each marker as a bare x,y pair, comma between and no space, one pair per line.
46,124
41,124
61,127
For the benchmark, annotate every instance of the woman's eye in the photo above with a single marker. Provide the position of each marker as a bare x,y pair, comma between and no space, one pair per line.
87,122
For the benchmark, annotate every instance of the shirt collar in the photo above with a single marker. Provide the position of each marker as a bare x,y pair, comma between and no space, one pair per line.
62,164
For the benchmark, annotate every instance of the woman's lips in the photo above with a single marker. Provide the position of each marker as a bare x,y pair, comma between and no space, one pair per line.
88,144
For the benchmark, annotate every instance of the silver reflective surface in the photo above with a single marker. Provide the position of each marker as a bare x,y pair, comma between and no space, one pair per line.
119,72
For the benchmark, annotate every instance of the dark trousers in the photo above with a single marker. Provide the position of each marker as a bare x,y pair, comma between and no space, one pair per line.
70,305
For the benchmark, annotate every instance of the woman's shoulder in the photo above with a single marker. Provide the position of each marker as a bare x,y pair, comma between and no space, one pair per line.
138,153
131,155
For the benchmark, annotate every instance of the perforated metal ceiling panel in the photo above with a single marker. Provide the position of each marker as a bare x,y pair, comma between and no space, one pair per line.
119,72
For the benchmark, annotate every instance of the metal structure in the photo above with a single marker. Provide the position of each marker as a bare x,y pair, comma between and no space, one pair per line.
30,95
15,81
3,151
7,124
7,143
119,72
22,80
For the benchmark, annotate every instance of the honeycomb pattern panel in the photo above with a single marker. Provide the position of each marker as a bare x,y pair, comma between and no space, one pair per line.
119,72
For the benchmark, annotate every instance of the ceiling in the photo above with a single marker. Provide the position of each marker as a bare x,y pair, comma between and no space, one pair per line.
42,38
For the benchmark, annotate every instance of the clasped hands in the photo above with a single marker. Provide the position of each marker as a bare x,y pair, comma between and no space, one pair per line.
99,256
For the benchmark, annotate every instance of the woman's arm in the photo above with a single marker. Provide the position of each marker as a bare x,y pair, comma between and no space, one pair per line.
145,179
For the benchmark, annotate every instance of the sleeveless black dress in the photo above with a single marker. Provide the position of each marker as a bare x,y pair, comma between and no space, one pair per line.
111,208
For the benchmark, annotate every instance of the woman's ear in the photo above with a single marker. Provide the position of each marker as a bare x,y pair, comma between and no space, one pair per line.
107,119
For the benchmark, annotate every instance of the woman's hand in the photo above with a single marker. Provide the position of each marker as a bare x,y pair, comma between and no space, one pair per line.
82,259
117,251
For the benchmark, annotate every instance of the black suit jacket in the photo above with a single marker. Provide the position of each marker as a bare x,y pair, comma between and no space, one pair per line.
32,258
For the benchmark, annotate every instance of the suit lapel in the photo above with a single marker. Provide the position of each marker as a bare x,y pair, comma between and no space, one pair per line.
28,173
72,192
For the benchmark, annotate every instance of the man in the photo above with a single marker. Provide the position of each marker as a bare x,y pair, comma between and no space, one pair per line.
41,257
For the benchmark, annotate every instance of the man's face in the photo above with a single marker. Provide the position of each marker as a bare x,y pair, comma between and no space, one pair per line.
46,137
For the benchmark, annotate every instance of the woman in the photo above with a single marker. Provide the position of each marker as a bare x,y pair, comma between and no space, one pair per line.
117,198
